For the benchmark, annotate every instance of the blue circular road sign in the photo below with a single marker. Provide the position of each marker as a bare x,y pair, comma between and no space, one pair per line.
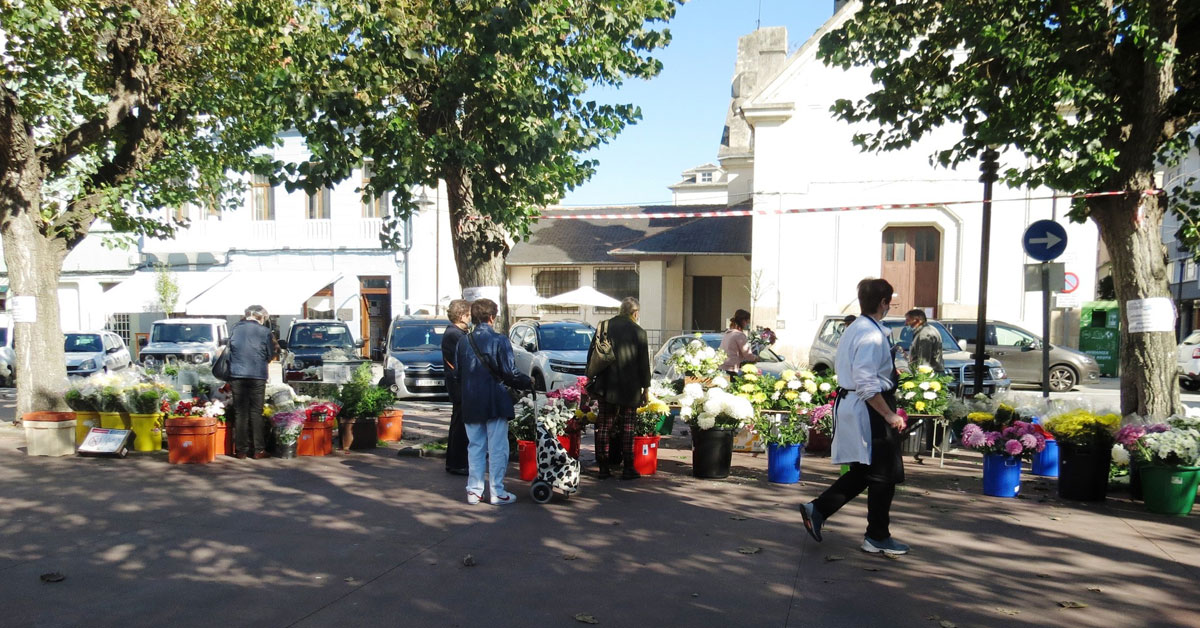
1045,240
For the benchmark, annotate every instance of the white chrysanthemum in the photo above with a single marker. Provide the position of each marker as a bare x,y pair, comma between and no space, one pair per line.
1120,455
706,422
923,385
910,394
686,412
775,397
806,397
694,390
929,394
824,387
794,384
720,382
709,353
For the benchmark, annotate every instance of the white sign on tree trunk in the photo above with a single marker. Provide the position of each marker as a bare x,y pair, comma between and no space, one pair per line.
1150,315
24,309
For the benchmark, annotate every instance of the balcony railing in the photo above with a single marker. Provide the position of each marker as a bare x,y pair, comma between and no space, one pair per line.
217,235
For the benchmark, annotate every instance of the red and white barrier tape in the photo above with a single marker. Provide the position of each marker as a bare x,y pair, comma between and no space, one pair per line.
731,213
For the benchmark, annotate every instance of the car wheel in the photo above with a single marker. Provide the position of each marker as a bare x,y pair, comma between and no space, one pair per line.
539,383
1190,385
1062,378
820,369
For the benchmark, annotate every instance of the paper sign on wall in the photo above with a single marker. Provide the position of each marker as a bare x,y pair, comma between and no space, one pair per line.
1150,315
24,309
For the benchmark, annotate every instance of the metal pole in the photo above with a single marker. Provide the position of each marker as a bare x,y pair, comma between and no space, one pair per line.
1045,330
988,169
407,247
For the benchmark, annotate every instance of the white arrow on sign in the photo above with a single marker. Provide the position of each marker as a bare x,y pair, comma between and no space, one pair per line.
1050,240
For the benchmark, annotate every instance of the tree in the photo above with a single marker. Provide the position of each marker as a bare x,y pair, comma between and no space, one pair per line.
485,95
167,289
1097,93
111,109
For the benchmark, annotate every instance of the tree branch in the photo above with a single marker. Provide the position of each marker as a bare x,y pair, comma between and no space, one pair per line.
121,103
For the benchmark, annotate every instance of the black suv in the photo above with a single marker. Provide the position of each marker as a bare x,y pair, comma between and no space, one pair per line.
413,367
308,341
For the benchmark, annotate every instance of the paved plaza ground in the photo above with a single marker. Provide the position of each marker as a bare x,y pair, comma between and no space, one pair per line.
376,539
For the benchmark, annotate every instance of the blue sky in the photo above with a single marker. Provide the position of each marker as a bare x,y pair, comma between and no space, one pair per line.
683,108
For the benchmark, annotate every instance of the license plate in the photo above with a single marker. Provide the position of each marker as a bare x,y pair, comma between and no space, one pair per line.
428,382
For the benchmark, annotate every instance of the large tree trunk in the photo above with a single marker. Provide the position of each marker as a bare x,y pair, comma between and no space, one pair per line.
34,264
480,245
1131,228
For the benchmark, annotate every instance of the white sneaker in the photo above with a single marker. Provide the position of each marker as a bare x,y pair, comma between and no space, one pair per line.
503,499
472,498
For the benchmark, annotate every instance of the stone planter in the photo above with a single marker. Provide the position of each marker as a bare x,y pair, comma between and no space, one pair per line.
49,433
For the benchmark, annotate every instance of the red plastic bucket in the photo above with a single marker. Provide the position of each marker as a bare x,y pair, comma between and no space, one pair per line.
645,454
527,455
571,444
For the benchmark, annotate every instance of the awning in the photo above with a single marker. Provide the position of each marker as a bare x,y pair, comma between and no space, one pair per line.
282,293
523,295
139,294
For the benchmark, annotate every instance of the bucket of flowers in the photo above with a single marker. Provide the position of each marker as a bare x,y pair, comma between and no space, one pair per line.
288,425
582,409
784,434
697,362
714,415
191,431
143,401
1168,458
820,428
316,435
646,435
924,394
1085,438
1004,440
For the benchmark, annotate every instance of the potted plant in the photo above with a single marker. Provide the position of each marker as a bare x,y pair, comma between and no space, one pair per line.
110,401
1004,441
697,362
1169,454
87,412
820,428
143,402
714,416
646,435
316,436
361,403
523,429
924,395
288,425
1085,441
784,434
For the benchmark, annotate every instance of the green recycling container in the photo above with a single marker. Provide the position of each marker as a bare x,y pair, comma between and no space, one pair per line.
1169,490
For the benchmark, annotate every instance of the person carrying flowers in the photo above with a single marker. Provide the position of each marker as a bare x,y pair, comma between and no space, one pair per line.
866,427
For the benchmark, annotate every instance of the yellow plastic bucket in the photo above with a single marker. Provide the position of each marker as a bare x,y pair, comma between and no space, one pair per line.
84,422
112,421
145,436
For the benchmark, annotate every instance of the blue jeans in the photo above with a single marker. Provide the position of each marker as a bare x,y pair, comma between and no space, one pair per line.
487,449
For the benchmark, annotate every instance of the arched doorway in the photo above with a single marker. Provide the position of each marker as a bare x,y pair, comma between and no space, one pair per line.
911,263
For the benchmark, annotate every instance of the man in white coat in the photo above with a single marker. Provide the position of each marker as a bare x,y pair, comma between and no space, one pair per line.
866,432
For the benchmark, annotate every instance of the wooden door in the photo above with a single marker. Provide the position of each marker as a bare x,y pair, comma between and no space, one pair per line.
911,263
706,304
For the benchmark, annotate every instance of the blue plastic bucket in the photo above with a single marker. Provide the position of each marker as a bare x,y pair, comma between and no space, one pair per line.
783,463
1045,462
1001,475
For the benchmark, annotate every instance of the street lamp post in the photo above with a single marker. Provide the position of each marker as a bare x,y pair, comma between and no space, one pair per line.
988,168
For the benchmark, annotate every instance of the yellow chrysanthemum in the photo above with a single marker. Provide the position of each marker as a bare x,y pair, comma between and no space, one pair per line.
749,368
935,386
920,406
925,368
909,385
788,375
780,384
791,395
758,397
747,388
751,377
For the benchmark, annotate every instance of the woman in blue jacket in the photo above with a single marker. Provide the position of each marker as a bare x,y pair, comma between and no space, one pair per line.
251,347
484,361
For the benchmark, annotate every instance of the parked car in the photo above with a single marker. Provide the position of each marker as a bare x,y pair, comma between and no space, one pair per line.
8,359
190,340
552,353
308,341
413,367
768,361
1021,353
1188,357
90,352
957,362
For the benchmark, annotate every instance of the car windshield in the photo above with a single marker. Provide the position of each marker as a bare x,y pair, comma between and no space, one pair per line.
181,333
563,338
902,335
417,337
320,335
83,343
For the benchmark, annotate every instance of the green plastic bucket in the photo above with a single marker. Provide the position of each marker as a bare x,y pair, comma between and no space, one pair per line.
1169,490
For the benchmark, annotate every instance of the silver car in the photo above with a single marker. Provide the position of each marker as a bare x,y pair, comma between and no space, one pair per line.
90,352
768,361
1021,352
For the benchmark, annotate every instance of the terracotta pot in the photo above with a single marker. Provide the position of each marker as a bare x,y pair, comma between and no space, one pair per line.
390,426
316,439
190,440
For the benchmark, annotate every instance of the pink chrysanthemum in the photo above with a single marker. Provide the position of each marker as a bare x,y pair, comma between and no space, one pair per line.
1014,447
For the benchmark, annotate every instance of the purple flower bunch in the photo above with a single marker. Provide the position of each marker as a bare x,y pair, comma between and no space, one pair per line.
1018,439
288,420
1128,436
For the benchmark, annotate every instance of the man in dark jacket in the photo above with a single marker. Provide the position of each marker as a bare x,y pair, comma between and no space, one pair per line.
625,383
926,345
251,347
459,313
484,361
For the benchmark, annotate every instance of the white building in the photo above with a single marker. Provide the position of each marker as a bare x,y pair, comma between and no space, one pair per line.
294,253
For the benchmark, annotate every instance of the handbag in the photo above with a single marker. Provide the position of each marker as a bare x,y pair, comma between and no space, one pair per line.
513,393
600,357
221,368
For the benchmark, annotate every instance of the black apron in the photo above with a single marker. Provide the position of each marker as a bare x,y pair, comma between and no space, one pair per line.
887,459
